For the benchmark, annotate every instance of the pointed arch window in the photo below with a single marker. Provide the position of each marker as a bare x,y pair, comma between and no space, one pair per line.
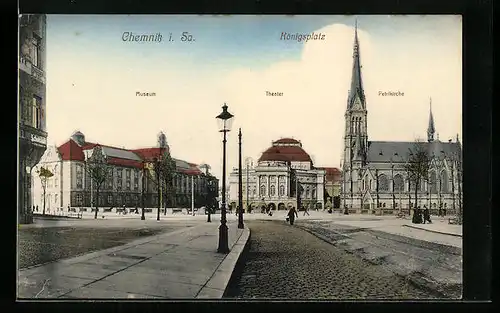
383,183
433,183
398,183
444,181
273,190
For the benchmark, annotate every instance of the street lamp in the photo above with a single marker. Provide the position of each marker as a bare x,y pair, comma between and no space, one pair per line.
240,187
225,120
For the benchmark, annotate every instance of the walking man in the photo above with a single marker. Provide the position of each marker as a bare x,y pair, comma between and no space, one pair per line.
292,214
306,210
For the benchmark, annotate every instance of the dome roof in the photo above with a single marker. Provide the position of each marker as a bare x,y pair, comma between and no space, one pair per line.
287,140
285,153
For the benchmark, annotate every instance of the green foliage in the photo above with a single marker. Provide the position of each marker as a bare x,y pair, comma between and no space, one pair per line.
44,173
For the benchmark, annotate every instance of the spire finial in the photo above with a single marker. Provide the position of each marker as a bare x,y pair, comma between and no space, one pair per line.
430,129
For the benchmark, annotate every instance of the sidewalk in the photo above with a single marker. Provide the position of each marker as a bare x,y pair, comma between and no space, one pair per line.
180,264
439,227
404,227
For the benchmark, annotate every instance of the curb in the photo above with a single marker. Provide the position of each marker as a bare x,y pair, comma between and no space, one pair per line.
217,284
433,231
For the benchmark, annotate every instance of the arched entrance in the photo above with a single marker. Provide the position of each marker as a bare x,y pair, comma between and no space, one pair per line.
271,206
319,206
281,206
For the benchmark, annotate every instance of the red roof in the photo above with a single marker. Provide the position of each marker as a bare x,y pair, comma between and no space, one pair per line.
125,162
286,140
149,153
285,153
70,150
332,173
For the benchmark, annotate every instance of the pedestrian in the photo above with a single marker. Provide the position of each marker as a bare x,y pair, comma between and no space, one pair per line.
427,215
306,210
292,214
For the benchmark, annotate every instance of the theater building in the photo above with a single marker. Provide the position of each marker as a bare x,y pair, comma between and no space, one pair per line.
273,181
71,185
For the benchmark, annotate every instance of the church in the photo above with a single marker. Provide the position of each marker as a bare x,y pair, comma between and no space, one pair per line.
375,179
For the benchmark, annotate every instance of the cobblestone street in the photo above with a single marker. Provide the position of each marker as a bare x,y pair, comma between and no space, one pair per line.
284,261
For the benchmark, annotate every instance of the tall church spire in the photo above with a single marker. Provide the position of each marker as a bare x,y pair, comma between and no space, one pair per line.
356,82
430,129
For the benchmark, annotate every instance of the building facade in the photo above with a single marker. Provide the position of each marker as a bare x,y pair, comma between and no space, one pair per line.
374,173
333,182
273,182
32,131
129,175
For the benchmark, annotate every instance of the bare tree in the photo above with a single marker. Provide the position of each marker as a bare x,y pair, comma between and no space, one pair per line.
167,172
98,171
44,175
156,173
418,166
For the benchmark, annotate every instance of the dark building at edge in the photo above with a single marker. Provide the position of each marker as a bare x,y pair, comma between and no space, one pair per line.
32,130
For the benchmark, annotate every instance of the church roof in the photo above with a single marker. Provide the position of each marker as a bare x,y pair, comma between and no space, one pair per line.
383,151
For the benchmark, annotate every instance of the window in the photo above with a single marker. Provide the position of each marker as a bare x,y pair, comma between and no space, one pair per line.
110,199
128,185
119,179
273,190
127,173
55,199
37,112
398,183
35,51
79,176
262,190
282,190
110,180
313,193
383,183
127,198
56,182
79,199
433,183
254,191
307,192
21,104
444,181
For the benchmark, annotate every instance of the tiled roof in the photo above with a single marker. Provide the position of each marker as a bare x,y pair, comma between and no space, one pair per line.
149,153
70,150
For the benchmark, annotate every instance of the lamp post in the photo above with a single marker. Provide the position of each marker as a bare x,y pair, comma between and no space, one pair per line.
240,187
225,120
209,202
192,195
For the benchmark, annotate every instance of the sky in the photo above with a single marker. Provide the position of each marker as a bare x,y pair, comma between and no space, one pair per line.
93,76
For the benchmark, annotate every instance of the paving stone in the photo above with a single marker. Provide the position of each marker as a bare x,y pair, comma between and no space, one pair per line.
156,288
48,286
287,262
95,293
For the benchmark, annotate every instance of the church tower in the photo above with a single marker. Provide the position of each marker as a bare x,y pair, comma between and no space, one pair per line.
356,135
